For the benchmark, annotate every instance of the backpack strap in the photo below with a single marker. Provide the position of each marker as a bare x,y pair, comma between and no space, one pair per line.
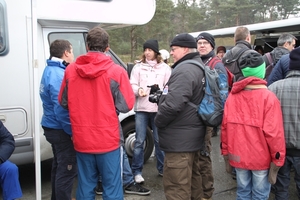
194,62
237,56
212,63
269,57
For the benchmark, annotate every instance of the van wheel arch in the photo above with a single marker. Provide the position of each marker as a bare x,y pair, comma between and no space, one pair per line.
129,139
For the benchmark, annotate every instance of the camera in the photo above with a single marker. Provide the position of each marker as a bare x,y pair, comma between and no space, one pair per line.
155,93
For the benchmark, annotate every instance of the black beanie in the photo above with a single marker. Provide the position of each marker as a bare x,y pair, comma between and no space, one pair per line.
295,59
252,63
208,37
152,44
184,40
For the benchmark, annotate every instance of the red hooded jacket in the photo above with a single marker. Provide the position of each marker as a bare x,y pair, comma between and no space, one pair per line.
252,127
94,89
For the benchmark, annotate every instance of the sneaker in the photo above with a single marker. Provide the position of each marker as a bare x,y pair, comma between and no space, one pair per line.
160,174
136,188
139,179
99,188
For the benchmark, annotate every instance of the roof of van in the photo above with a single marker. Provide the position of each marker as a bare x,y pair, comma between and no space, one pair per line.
279,26
88,13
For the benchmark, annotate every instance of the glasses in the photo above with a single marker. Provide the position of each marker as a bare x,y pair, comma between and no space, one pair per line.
203,43
173,49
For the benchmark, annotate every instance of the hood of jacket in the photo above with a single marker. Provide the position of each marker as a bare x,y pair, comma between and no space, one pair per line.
93,64
252,81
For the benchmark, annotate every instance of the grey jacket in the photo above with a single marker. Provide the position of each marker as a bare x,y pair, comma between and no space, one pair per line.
288,93
280,69
179,127
276,55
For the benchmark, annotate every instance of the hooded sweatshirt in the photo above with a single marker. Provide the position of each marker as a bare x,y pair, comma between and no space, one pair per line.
95,89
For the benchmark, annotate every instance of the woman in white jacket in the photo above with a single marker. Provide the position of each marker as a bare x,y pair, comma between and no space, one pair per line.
150,70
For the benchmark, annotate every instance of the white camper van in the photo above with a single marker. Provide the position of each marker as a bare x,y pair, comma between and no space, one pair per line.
27,27
264,34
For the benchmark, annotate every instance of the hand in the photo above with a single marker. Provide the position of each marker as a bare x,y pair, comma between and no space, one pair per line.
141,92
273,171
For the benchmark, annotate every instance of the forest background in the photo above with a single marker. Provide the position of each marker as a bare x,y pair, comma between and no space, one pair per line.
179,16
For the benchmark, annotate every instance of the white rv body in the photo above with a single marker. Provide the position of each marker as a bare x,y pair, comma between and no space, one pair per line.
265,34
27,28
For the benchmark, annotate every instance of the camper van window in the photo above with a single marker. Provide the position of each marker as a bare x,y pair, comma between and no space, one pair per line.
75,38
3,30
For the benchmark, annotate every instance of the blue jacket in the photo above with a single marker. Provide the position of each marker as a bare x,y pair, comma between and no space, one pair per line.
54,116
280,70
7,143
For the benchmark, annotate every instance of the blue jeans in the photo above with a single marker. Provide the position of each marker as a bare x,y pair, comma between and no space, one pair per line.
252,184
141,123
127,173
64,164
89,168
281,187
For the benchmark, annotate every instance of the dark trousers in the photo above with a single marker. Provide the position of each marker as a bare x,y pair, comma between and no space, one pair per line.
64,165
281,187
206,172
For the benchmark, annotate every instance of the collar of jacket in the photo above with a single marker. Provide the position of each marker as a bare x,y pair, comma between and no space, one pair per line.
251,80
293,73
207,56
56,63
244,43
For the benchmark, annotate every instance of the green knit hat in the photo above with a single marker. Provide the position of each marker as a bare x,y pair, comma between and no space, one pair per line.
253,64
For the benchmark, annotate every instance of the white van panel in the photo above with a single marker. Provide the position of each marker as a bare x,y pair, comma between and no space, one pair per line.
16,119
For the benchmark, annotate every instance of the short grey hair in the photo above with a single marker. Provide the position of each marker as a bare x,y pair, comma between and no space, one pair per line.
285,37
192,50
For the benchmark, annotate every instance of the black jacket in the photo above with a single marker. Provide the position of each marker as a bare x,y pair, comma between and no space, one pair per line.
179,127
7,143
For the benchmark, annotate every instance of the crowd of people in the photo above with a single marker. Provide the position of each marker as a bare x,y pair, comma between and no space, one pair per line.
259,134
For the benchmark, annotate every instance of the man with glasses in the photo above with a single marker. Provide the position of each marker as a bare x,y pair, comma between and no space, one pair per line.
206,45
181,132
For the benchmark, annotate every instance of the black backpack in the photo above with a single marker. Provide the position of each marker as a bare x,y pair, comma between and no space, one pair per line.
234,60
270,67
